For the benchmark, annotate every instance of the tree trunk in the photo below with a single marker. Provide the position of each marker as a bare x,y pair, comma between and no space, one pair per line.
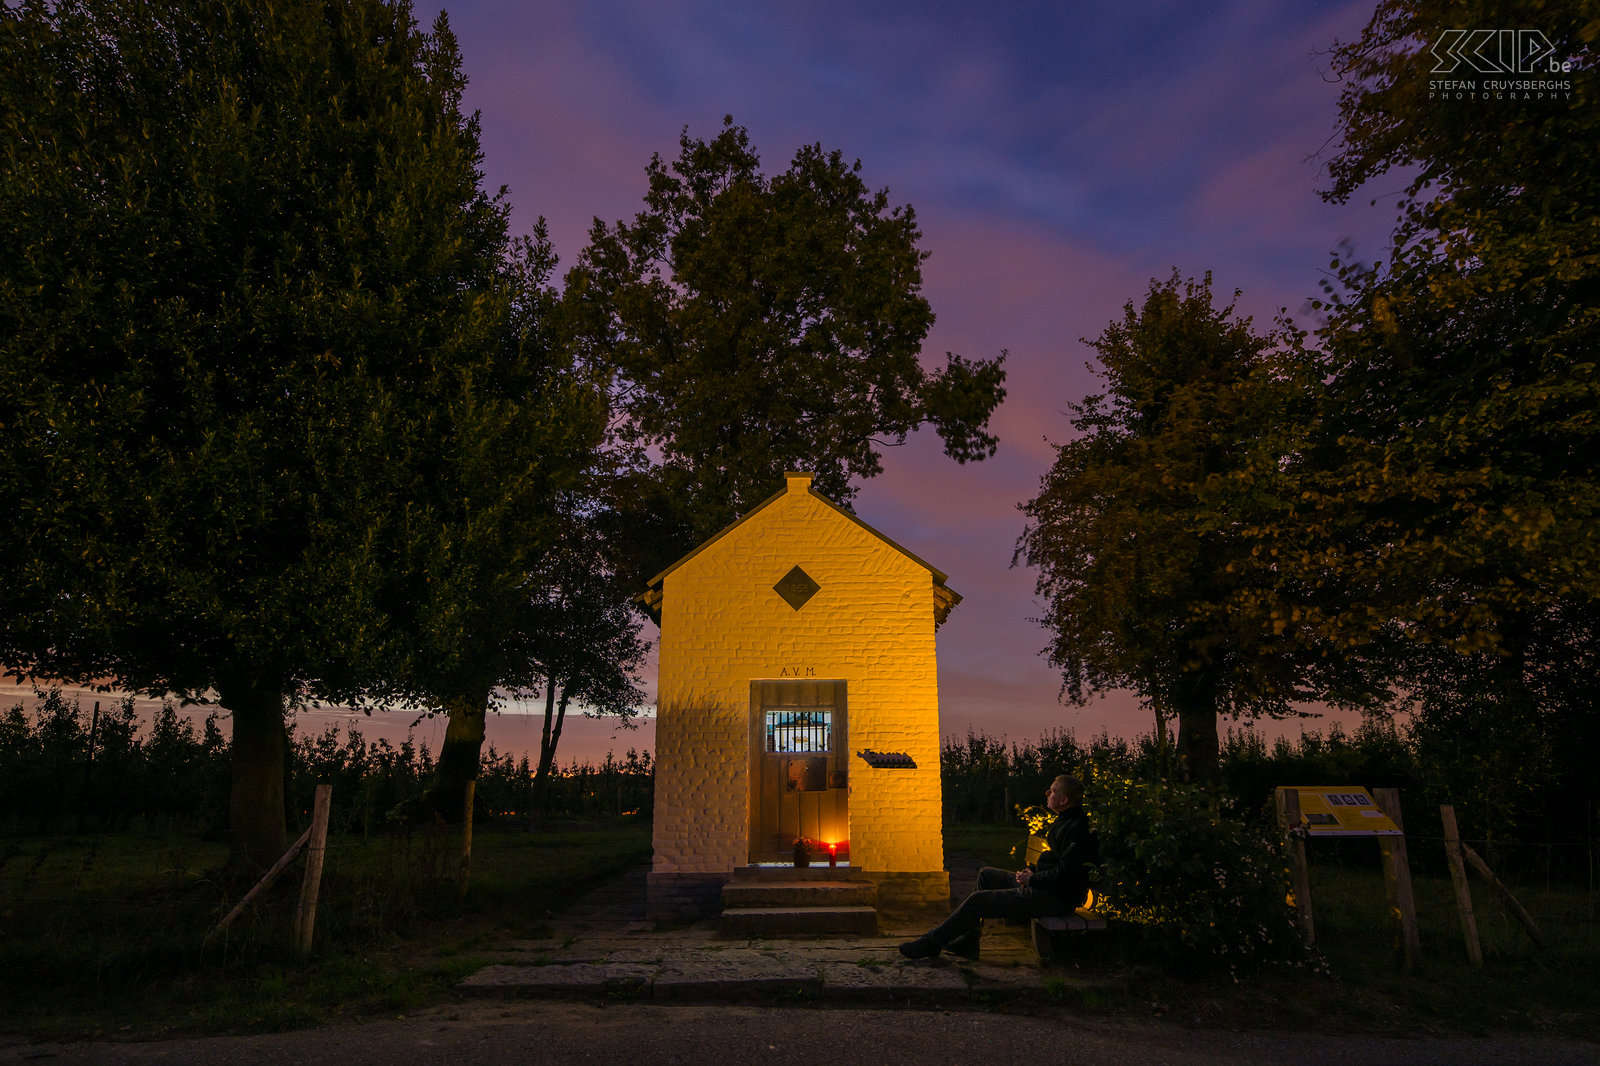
1517,711
1197,734
1163,742
555,715
258,757
458,755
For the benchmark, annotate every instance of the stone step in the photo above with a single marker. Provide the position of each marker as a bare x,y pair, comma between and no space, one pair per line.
801,921
798,873
799,894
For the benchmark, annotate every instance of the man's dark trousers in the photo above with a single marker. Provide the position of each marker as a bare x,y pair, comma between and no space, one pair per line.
997,896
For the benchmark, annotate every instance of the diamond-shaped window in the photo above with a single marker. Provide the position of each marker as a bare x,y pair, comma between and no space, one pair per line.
796,587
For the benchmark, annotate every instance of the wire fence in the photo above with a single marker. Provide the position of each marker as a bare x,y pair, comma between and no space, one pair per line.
1552,847
102,910
64,770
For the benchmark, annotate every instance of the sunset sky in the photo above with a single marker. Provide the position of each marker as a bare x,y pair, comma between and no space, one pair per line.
1058,157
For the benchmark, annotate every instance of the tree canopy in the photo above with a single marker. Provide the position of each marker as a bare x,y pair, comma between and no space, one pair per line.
1460,409
589,646
1457,471
756,324
1415,497
486,467
1150,531
262,397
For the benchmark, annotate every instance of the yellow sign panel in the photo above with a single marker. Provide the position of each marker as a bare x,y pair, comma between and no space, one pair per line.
1343,811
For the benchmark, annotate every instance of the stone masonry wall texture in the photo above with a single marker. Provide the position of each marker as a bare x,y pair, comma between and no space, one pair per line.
871,625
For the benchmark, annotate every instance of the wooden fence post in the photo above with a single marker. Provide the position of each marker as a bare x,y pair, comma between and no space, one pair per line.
1295,844
261,885
466,840
1397,878
1458,877
1517,910
306,918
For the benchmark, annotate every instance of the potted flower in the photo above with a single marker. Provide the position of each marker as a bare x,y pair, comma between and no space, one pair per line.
802,853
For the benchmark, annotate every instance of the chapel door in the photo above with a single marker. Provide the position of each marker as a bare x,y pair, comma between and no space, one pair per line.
799,756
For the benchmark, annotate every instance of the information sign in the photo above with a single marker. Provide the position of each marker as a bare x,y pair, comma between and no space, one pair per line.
1342,811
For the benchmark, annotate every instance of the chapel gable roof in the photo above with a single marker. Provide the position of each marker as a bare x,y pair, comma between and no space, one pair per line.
944,597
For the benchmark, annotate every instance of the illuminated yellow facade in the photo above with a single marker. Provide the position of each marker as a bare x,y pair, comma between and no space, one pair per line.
799,612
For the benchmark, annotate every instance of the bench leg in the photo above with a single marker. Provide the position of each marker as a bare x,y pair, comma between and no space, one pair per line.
1042,942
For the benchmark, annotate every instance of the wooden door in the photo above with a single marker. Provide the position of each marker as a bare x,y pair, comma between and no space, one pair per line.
799,761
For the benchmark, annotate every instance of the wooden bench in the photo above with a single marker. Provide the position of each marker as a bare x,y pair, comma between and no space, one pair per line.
1046,930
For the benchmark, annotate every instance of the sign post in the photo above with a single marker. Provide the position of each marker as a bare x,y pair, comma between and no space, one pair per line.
1309,812
1397,878
1289,816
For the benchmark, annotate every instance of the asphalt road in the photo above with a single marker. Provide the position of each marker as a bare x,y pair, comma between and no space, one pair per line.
639,1034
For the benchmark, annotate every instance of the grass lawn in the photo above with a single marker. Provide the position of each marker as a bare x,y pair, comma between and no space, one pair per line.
990,845
107,935
1361,984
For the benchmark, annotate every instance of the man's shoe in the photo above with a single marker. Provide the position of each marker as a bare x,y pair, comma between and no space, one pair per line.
920,948
965,946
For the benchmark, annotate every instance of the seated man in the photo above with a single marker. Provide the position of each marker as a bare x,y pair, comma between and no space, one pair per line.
1057,884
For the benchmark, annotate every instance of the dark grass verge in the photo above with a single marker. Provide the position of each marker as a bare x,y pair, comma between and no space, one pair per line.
1357,983
105,937
111,935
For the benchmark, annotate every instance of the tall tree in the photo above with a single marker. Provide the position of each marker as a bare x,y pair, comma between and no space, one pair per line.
1148,528
1457,474
1461,429
250,298
589,647
756,324
486,478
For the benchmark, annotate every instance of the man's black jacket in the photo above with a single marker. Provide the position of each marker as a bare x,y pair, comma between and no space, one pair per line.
1063,871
